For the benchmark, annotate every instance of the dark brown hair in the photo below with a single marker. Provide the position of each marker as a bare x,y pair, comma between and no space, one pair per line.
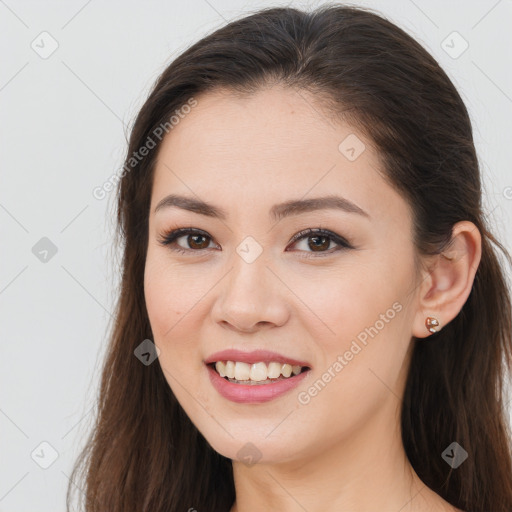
144,453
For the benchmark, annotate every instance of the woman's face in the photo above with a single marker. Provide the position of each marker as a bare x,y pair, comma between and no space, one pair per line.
341,303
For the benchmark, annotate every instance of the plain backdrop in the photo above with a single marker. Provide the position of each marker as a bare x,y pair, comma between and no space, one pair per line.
72,78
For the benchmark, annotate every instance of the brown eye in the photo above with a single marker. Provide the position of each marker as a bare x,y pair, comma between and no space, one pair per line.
197,241
194,240
319,243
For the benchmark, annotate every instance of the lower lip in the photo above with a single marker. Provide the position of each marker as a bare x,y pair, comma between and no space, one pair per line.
255,393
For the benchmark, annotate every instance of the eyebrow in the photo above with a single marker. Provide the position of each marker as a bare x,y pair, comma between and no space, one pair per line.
277,212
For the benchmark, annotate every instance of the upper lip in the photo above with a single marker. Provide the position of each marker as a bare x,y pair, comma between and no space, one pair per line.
256,356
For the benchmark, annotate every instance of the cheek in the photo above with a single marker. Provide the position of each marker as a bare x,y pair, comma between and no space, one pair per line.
177,303
363,317
172,294
170,308
342,302
161,301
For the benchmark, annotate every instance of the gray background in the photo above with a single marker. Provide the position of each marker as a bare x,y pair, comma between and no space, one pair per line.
63,125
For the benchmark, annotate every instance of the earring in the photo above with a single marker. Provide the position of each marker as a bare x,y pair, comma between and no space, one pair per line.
431,323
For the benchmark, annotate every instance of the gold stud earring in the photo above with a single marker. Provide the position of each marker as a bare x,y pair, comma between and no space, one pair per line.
431,323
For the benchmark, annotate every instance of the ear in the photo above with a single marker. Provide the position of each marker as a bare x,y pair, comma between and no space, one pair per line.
447,283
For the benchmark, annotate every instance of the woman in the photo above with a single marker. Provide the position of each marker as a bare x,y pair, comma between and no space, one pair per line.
312,313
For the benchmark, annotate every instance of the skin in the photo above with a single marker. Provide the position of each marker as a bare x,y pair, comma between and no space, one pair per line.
342,450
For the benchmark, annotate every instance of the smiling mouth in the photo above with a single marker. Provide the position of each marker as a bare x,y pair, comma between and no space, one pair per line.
259,373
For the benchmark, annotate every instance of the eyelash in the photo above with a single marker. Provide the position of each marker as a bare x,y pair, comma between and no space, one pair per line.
169,238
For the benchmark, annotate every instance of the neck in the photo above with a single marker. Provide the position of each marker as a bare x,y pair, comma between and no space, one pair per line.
366,471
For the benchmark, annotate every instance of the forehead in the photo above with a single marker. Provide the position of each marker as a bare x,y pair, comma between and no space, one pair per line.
273,123
273,145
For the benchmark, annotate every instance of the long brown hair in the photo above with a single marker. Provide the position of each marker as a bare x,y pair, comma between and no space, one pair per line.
144,453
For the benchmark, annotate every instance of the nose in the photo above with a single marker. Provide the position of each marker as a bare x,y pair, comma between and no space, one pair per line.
251,297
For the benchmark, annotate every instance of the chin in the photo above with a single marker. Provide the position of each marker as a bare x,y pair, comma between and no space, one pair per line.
253,446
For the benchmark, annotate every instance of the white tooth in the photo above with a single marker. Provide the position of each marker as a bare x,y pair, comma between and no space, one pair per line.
221,368
242,371
258,371
230,369
274,370
296,370
286,370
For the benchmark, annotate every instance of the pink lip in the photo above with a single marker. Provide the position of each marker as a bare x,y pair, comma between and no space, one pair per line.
256,393
256,356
